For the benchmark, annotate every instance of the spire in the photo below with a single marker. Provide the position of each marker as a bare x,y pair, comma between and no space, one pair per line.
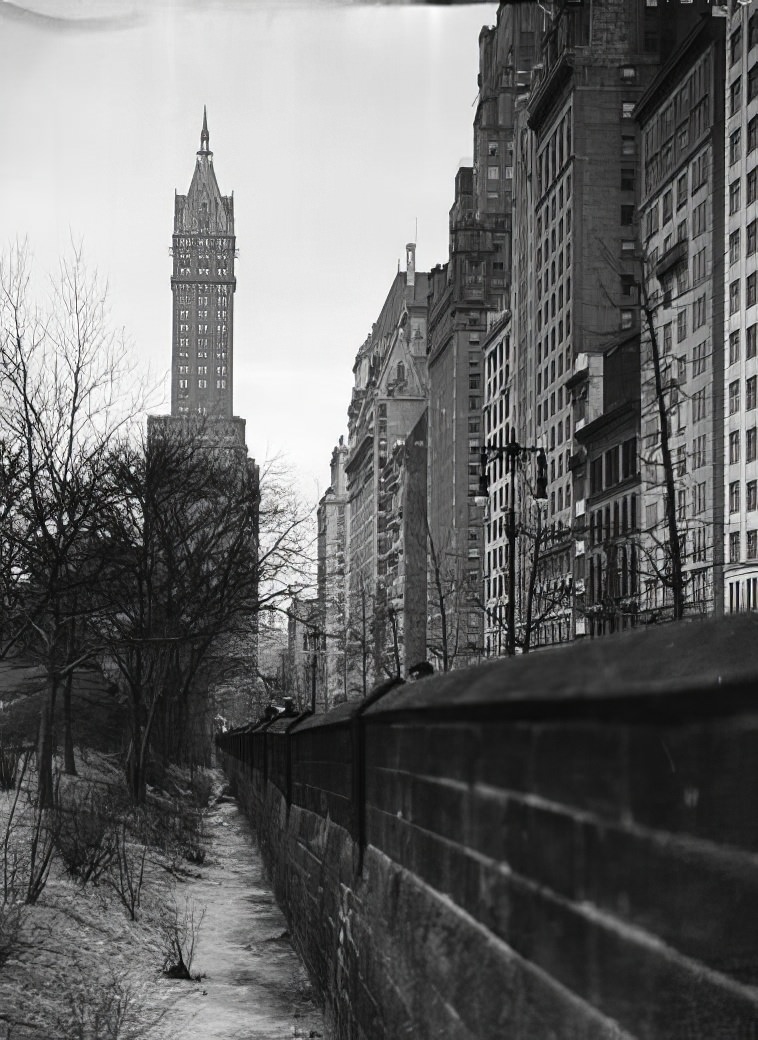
204,135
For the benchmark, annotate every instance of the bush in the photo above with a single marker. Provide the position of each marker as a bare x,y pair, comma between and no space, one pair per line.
127,873
86,839
179,930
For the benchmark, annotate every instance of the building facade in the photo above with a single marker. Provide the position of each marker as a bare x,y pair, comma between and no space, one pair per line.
741,298
389,398
332,592
203,286
681,119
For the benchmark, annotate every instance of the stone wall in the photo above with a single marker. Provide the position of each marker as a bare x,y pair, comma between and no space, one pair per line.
555,846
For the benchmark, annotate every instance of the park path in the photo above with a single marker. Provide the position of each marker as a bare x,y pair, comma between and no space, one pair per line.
253,984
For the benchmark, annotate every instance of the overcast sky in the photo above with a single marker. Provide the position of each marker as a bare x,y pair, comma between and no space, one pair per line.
336,126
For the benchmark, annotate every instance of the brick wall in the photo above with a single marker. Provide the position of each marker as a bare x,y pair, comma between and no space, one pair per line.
562,845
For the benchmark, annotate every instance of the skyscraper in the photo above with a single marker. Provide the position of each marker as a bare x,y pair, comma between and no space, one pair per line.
203,285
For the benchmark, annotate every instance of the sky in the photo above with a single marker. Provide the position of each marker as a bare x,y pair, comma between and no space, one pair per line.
339,128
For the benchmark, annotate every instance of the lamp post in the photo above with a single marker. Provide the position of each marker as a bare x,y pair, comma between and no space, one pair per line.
512,451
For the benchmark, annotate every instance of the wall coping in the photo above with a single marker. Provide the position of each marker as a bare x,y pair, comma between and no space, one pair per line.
671,670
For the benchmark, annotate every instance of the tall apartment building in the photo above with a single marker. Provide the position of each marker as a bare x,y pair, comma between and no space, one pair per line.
468,296
389,398
741,360
332,595
681,120
597,59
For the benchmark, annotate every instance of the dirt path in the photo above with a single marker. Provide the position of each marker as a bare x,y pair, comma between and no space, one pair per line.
254,986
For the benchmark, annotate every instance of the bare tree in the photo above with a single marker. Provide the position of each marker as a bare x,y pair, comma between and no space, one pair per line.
64,396
195,547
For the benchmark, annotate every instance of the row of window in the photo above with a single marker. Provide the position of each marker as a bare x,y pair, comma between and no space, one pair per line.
751,293
202,384
613,520
735,191
614,465
751,389
735,549
751,344
735,40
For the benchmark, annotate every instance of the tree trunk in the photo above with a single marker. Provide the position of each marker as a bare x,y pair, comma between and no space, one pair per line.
677,580
69,764
45,744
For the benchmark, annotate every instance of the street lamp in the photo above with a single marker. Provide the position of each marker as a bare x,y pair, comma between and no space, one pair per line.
512,451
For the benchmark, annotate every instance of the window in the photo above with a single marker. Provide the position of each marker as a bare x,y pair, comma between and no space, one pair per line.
681,460
750,290
698,312
667,206
699,452
698,498
681,326
751,237
627,319
681,190
734,497
735,45
752,83
752,135
751,444
735,147
752,545
667,338
628,144
492,148
752,186
750,341
493,173
734,447
734,347
698,266
750,393
734,196
735,96
699,405
734,547
698,219
627,216
698,359
734,247
752,32
629,72
734,397
751,489
734,296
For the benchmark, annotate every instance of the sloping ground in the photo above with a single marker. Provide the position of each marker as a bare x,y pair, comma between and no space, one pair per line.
79,966
98,716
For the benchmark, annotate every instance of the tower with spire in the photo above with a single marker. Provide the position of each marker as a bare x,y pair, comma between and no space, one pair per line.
203,286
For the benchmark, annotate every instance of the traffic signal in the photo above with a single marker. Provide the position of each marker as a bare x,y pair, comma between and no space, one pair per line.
541,491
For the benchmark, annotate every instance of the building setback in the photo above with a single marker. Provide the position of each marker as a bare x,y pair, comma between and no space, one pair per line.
741,356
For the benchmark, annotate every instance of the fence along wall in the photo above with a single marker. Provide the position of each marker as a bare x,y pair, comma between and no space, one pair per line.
556,846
